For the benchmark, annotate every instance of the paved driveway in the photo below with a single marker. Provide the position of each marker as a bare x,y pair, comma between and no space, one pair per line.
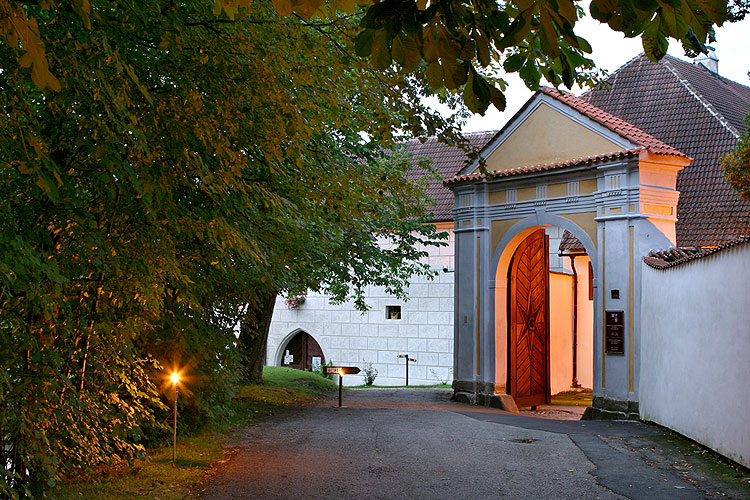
416,444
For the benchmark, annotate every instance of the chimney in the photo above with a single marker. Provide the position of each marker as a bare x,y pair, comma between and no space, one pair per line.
708,61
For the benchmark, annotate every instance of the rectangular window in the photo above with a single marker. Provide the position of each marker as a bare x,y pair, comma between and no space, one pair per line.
464,200
392,312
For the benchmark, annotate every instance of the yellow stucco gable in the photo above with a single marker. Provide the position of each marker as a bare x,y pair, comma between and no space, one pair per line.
547,136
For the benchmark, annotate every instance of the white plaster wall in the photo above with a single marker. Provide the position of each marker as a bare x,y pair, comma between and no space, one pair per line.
350,338
555,233
695,351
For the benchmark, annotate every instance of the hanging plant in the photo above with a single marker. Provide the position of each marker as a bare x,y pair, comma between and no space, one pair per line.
295,300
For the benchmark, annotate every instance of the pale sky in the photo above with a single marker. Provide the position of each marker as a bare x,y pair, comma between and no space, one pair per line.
612,50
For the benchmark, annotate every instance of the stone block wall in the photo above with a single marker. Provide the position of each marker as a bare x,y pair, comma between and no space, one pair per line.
349,337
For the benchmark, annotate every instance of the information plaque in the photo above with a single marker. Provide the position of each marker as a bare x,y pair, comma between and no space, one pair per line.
614,328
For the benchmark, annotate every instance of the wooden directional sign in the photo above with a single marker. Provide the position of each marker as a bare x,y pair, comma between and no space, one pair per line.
341,370
346,370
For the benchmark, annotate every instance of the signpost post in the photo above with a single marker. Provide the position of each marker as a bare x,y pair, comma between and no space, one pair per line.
341,371
407,358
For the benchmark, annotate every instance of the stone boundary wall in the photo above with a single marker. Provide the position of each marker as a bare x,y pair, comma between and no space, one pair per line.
695,350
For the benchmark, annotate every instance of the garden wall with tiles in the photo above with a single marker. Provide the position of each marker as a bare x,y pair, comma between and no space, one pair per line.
695,347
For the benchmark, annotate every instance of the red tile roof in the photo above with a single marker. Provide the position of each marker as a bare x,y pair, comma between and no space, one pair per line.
570,244
700,114
665,107
447,160
672,257
589,160
615,124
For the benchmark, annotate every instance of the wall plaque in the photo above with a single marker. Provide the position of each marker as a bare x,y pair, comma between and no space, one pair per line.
614,329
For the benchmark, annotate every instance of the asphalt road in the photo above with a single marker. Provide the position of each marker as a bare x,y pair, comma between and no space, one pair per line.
416,444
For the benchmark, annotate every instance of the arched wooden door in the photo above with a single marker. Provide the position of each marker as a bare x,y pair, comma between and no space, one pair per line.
528,326
302,348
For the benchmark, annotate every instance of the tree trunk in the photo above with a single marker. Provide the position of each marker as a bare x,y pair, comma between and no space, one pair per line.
254,335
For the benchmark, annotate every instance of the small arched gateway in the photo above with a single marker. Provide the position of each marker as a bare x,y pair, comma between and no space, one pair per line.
560,169
300,351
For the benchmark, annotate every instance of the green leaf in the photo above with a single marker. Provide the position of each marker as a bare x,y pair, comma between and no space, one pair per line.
381,51
363,43
655,43
483,48
584,45
283,7
434,75
513,63
405,52
498,98
476,93
716,10
455,73
530,75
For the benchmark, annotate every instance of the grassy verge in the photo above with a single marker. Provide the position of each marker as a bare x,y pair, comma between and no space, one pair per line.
726,477
200,453
433,386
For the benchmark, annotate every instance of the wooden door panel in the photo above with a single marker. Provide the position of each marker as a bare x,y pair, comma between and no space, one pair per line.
528,372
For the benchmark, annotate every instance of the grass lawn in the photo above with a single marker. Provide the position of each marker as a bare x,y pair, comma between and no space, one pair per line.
199,454
433,386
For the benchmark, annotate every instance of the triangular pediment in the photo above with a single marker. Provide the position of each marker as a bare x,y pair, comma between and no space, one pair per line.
547,131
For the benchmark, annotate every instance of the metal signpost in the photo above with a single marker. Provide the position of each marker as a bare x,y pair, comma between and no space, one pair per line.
341,371
407,358
175,379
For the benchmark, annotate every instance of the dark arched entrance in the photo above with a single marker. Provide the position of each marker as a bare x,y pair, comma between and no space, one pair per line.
528,322
301,351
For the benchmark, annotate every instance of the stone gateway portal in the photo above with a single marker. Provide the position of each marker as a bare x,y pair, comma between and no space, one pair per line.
560,164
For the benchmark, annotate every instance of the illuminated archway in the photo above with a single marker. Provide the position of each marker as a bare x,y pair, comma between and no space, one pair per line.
501,260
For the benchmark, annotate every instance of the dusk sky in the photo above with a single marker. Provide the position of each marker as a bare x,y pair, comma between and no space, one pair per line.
612,50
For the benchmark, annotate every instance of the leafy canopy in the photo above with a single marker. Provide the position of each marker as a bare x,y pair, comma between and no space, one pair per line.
179,166
459,44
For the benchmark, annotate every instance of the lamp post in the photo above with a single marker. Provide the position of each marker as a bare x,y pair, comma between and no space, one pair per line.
175,378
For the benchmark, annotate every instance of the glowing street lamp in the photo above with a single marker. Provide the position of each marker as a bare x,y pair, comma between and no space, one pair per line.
175,378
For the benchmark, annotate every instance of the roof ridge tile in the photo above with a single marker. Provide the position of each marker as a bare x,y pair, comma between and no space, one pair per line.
675,256
704,102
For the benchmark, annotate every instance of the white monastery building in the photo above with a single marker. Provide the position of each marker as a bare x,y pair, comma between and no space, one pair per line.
600,248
